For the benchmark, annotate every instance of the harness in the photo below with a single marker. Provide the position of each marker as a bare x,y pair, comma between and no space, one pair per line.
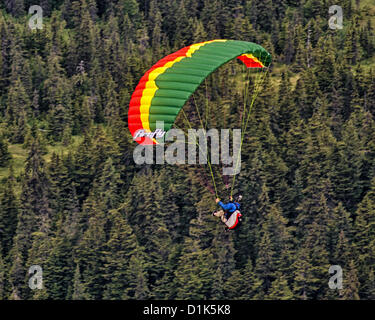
233,220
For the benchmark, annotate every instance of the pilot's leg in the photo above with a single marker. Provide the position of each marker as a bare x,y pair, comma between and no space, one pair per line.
221,215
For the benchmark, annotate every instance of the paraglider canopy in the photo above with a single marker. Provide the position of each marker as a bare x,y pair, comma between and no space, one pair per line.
164,89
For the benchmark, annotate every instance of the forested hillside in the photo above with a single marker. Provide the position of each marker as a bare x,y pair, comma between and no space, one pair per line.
73,201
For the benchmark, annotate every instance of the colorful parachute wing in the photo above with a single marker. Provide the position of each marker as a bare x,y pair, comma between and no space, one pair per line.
164,89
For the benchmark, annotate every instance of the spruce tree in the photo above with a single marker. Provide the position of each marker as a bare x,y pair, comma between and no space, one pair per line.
5,155
119,249
364,238
9,207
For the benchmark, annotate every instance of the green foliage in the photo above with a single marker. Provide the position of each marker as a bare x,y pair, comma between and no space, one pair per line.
5,155
73,201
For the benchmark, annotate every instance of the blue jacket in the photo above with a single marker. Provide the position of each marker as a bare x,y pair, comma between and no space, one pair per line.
230,207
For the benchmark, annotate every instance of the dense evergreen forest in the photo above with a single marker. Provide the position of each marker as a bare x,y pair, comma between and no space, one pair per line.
73,201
